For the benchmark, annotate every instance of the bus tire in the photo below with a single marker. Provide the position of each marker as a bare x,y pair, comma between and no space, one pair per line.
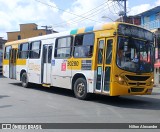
24,80
80,89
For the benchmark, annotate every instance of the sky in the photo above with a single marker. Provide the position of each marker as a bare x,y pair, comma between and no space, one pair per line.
65,15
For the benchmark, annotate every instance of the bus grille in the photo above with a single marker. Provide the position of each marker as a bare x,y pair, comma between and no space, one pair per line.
137,89
137,78
137,84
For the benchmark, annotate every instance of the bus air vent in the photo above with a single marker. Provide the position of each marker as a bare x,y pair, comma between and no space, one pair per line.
137,89
137,78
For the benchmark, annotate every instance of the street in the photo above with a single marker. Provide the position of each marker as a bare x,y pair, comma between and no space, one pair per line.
54,105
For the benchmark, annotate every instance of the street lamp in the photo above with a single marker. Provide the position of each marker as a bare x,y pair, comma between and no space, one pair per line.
122,13
107,17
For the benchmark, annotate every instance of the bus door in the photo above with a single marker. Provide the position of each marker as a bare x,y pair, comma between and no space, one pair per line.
12,63
46,63
104,58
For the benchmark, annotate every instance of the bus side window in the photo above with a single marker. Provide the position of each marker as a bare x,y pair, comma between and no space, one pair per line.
6,52
63,47
83,45
35,50
23,50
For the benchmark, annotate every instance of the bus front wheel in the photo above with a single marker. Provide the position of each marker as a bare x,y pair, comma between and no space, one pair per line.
80,89
24,80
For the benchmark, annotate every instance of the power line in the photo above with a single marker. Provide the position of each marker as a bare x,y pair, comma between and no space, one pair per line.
119,6
66,11
77,20
114,7
86,14
110,9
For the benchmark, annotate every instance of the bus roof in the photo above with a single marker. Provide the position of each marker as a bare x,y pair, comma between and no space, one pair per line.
16,42
106,26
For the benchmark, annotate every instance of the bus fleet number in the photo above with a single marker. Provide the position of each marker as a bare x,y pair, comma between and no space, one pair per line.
73,63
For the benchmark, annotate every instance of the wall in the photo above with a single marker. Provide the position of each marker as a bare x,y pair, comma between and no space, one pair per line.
28,27
25,34
26,31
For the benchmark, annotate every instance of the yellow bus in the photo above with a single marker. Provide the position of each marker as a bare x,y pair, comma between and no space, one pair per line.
111,59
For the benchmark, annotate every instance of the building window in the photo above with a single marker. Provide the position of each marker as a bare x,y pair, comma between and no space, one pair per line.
158,16
35,50
83,45
6,52
19,37
23,51
1,46
63,47
146,19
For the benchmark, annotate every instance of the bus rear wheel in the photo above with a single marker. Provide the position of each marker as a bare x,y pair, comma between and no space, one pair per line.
80,89
24,80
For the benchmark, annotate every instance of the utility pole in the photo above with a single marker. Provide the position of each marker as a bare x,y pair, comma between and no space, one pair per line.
48,28
124,14
125,11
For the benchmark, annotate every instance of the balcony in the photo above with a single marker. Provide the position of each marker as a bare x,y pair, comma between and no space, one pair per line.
152,25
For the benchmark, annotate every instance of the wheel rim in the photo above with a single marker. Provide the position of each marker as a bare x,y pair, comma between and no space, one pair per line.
80,89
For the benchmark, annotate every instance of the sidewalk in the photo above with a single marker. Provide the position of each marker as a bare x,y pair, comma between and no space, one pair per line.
156,89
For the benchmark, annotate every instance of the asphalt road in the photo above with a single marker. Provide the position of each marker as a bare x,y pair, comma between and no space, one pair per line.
45,105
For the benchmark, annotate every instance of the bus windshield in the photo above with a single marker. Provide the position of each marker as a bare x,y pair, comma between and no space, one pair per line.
135,55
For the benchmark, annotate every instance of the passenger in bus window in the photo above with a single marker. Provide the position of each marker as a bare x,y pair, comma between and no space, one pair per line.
90,51
135,59
124,59
120,57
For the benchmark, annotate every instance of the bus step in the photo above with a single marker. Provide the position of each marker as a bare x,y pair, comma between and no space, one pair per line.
46,85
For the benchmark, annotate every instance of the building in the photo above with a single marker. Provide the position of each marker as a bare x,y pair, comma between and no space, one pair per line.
28,30
2,42
130,19
151,20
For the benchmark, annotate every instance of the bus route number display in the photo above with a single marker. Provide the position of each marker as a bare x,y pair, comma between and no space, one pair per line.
73,63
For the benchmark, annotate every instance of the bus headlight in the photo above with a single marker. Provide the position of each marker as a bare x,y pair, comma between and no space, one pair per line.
152,81
121,80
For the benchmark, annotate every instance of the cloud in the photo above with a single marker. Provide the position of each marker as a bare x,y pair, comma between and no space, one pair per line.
15,12
157,3
143,7
91,12
139,9
87,12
